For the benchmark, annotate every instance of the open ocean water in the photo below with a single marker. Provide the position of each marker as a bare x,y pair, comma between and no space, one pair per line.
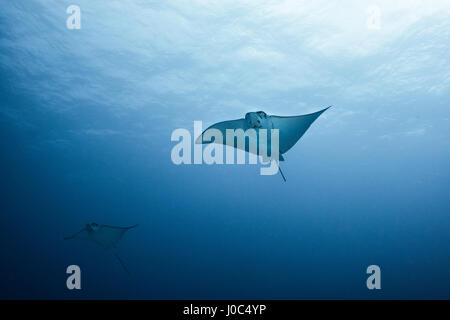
86,117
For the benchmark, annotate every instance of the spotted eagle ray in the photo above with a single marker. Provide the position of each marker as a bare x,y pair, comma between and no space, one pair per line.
291,129
103,235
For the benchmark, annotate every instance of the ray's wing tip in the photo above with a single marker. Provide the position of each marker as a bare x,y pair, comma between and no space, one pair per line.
318,113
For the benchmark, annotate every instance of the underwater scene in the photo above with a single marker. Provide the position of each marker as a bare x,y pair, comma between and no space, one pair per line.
224,149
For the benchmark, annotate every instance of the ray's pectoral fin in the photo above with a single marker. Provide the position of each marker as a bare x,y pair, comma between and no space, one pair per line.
293,128
222,127
82,233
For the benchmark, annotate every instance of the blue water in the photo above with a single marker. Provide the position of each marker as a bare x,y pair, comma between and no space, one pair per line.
85,123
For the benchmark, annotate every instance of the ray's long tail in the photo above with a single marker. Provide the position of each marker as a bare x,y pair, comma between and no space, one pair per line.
281,172
122,263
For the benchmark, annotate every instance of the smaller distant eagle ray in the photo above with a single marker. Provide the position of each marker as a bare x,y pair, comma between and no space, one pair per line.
103,235
291,129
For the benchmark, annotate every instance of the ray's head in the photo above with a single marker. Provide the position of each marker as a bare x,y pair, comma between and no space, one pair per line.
256,119
92,227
